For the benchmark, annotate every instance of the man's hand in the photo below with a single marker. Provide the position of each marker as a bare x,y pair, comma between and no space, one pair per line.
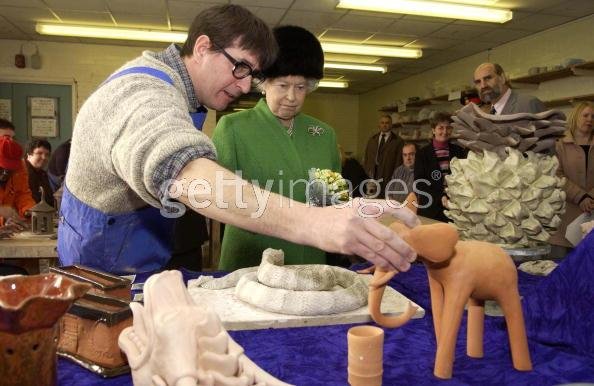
12,221
354,229
16,224
8,212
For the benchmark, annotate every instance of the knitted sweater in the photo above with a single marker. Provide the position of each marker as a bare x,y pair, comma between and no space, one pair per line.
125,129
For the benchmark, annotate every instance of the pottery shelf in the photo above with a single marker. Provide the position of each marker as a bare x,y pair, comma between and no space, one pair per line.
411,124
416,104
584,69
569,100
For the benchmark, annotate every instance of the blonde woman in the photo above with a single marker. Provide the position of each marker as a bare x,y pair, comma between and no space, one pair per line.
576,162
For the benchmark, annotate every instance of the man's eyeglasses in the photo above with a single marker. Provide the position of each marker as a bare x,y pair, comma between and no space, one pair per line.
240,68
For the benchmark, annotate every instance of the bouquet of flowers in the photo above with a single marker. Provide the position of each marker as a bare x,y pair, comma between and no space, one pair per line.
326,187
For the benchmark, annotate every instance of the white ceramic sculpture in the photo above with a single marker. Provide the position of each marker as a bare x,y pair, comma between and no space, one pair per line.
175,342
309,289
514,203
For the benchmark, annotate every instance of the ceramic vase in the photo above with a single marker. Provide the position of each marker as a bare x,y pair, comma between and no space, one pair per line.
365,355
30,307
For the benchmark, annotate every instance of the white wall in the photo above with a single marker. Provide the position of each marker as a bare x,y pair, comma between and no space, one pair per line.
84,65
547,48
338,110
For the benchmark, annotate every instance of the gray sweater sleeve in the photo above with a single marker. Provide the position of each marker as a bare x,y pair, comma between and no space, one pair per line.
175,163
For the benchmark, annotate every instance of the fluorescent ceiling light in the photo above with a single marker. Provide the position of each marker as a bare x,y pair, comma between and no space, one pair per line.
352,66
111,33
333,83
180,37
475,2
367,49
361,59
430,8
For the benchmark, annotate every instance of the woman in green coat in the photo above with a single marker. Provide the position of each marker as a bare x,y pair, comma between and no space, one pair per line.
274,145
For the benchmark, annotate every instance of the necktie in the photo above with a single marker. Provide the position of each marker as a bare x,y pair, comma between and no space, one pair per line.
493,111
378,155
381,144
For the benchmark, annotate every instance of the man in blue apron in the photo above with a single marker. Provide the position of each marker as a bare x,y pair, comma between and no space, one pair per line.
135,147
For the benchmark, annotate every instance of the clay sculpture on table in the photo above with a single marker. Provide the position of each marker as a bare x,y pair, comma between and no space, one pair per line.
30,308
515,203
176,342
497,194
477,130
308,289
460,273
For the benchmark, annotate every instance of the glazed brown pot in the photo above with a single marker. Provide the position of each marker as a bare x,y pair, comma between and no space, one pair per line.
30,307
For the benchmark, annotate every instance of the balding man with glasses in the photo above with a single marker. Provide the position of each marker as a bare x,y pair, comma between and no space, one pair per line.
138,159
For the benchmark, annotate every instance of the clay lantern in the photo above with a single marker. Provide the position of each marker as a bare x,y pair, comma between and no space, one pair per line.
30,307
42,217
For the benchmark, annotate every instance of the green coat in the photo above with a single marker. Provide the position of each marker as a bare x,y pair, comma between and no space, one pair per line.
255,143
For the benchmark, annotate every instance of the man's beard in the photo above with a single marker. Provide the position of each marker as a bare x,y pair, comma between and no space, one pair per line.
491,94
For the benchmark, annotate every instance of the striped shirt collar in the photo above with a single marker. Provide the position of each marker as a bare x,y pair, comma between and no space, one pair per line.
171,57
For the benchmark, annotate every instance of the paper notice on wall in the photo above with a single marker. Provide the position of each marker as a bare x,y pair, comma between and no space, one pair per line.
6,109
44,127
43,107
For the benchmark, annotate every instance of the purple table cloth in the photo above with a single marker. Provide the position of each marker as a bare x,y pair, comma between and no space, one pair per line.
559,319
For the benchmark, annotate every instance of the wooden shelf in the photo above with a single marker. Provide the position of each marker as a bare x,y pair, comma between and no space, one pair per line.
544,77
415,104
389,109
428,101
411,124
578,69
569,100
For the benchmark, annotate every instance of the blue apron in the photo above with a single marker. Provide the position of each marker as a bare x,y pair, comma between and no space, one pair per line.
138,241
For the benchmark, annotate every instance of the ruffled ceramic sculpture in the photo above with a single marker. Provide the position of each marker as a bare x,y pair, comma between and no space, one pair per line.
514,203
460,273
175,342
308,289
30,307
478,131
502,197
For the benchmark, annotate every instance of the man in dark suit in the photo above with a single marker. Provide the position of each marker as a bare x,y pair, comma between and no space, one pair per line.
383,154
498,98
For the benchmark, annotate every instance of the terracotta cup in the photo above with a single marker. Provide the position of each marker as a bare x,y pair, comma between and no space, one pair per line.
365,355
358,380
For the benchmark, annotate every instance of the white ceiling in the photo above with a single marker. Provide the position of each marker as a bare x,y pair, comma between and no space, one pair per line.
442,40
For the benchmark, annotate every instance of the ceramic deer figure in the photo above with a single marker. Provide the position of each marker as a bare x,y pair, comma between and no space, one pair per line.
460,273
